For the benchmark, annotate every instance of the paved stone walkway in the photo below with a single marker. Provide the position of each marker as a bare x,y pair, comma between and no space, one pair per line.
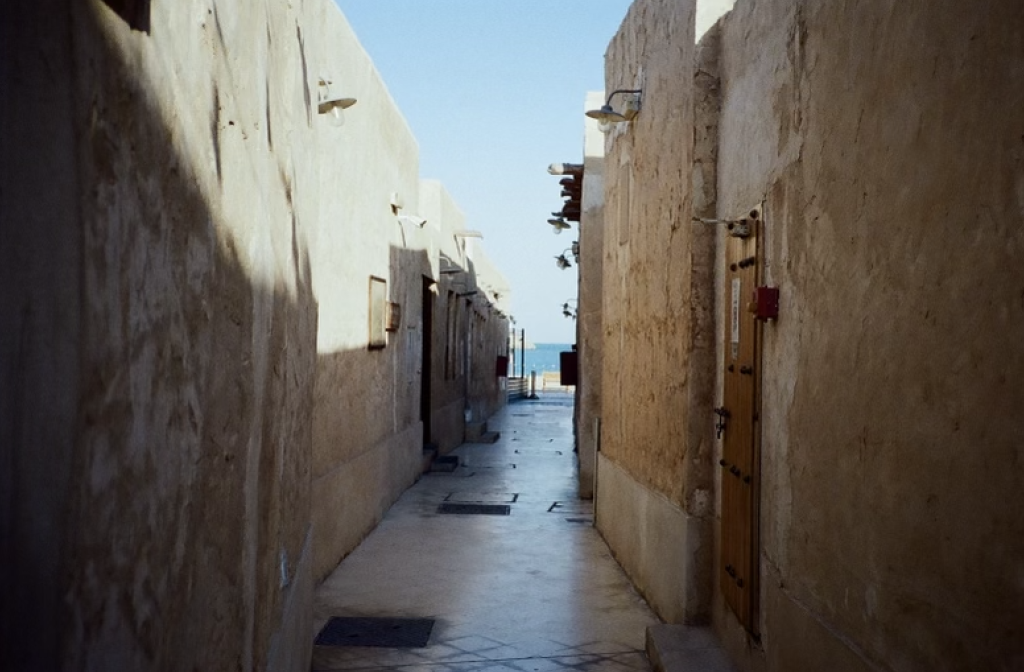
533,591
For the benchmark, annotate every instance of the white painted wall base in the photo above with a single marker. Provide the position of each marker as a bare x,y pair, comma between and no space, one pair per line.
658,545
352,499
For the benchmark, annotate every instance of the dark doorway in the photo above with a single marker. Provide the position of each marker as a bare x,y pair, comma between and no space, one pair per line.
427,357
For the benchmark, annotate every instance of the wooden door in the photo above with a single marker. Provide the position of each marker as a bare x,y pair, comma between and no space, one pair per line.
738,422
427,358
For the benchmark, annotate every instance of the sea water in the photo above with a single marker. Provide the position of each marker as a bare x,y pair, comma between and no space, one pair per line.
542,358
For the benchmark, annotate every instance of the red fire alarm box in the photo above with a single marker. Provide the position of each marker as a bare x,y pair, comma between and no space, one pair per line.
766,301
501,368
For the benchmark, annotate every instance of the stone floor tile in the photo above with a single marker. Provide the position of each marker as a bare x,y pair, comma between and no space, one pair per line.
528,591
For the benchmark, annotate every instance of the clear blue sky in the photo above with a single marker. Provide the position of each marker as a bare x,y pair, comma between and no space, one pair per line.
494,92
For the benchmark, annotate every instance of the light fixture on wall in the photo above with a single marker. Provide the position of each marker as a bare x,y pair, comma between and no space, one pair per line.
328,103
570,308
562,261
608,115
566,168
413,220
559,224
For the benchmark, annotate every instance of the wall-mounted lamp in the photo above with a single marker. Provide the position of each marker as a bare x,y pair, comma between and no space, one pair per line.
576,250
414,220
328,103
569,308
608,115
738,228
566,168
559,224
562,261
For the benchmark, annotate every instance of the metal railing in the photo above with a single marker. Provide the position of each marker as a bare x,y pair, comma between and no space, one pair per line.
518,388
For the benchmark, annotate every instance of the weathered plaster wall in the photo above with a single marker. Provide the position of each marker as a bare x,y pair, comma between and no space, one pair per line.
186,253
368,436
198,341
175,523
488,336
464,327
648,234
447,397
366,450
658,332
664,550
888,141
589,327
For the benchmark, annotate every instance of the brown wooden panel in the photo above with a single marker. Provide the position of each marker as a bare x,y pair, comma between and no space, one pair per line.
738,568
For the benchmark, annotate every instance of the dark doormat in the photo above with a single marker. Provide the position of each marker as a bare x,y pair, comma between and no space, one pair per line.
396,633
475,509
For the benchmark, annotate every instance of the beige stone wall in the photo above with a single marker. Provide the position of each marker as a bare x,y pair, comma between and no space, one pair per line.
888,143
487,336
377,218
589,327
188,523
469,323
658,345
191,426
664,549
366,402
890,538
648,337
447,403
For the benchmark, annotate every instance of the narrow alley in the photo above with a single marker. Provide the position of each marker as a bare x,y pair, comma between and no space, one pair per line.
534,590
271,281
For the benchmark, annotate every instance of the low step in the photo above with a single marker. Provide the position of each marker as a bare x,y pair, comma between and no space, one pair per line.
474,430
684,648
445,463
429,453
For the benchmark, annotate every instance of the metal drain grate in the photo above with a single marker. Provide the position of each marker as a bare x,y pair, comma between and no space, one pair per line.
475,509
396,633
482,497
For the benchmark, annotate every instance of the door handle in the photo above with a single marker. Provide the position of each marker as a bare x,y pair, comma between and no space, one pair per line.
722,414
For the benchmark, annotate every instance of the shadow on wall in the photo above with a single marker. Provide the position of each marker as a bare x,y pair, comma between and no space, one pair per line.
367,446
377,408
172,530
157,470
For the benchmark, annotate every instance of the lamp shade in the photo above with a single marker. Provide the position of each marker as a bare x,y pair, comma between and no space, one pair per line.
606,114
